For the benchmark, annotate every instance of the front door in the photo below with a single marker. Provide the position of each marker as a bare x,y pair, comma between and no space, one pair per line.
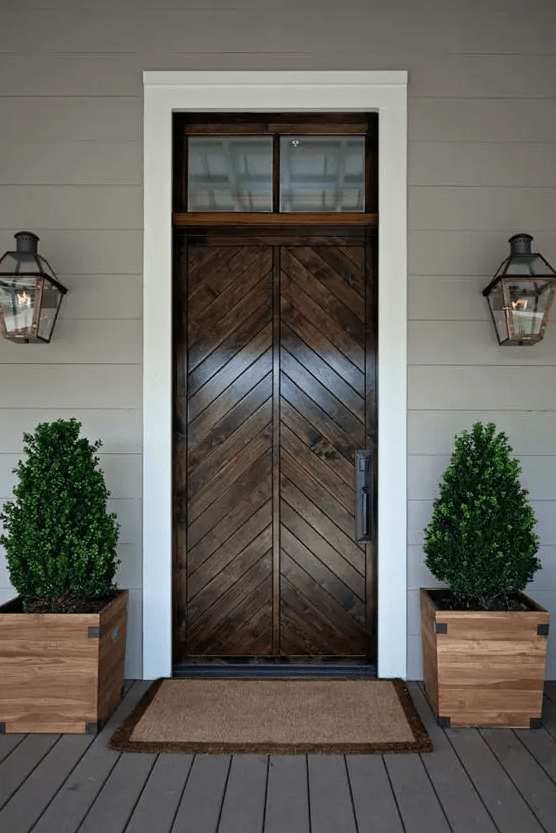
274,349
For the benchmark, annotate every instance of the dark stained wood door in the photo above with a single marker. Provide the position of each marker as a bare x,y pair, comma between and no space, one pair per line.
275,391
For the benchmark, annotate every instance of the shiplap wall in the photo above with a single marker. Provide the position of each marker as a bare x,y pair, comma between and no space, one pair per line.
482,166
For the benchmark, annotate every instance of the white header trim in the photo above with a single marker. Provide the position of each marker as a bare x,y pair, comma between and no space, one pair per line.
284,78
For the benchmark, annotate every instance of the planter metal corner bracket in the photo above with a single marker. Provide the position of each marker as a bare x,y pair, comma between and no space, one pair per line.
542,630
441,627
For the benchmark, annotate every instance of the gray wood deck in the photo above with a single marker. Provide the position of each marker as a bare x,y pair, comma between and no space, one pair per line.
475,781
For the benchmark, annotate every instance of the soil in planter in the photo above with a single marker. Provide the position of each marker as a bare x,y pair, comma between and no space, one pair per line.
87,605
447,600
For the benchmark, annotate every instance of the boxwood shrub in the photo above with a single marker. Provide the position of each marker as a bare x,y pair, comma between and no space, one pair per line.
480,540
59,538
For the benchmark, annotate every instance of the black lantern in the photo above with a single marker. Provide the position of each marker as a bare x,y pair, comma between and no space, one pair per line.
30,293
521,293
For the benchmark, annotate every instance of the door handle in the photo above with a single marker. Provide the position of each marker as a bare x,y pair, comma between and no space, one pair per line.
364,496
365,512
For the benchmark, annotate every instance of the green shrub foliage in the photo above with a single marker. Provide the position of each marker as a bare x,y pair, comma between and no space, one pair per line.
480,539
60,540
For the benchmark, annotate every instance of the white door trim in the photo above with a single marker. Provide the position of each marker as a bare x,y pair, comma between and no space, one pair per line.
166,92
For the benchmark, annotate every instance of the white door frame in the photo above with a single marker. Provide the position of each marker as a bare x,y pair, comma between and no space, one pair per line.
166,92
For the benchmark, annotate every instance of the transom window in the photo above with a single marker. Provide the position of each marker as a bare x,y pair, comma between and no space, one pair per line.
280,164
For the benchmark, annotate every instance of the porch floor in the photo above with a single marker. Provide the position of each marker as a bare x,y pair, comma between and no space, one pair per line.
474,780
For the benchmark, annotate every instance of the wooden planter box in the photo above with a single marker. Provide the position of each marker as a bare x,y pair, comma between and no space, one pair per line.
61,672
484,668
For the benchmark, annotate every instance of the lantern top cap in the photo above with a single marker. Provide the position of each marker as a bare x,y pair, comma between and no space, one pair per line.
520,244
26,242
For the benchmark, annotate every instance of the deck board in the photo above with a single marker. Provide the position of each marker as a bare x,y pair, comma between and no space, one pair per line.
475,781
331,808
503,800
8,744
419,807
374,801
542,747
201,804
34,795
287,799
550,690
160,798
549,715
77,793
462,805
528,776
244,800
119,795
16,767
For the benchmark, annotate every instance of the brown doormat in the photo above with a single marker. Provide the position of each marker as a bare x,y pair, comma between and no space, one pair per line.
279,716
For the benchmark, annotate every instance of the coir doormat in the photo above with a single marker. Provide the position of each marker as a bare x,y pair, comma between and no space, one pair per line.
278,716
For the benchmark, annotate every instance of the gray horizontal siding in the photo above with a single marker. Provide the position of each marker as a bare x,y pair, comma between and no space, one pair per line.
481,208
472,342
120,430
450,253
432,432
103,297
433,73
71,118
506,164
83,252
83,207
514,28
69,386
264,27
486,388
443,298
33,162
90,342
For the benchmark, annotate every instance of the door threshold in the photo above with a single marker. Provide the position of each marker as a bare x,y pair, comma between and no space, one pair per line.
269,670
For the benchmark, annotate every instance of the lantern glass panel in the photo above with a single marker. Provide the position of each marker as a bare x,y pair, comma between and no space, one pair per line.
230,174
46,267
496,301
322,173
51,299
528,302
9,264
526,265
17,299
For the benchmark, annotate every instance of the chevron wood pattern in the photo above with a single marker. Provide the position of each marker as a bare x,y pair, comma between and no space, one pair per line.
322,423
274,403
229,471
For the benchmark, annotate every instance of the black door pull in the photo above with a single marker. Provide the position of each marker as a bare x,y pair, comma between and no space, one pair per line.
363,496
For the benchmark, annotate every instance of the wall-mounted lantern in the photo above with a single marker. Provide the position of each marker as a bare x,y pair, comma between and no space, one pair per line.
30,293
521,293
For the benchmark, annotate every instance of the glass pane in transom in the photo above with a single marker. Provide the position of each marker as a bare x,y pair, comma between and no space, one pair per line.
229,173
322,173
